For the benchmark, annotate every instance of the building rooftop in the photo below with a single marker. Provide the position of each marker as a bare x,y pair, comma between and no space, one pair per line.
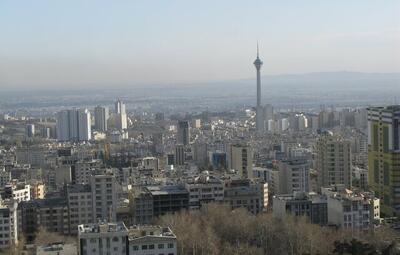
166,190
102,228
301,196
78,188
57,249
390,107
204,178
149,230
47,202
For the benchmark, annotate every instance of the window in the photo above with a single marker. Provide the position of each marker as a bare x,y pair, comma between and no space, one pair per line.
385,139
170,245
376,171
135,247
161,246
144,247
151,247
386,172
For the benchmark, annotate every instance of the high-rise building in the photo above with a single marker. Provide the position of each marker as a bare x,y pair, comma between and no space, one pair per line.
333,160
158,143
122,122
285,124
183,135
260,111
84,125
104,196
268,112
30,130
45,132
63,126
271,125
240,158
384,156
74,125
196,123
294,175
200,156
121,119
51,213
101,115
79,197
179,155
8,224
303,122
119,107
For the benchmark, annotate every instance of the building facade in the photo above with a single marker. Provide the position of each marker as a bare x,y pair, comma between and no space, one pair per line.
148,240
101,115
103,238
74,125
384,156
240,158
204,189
333,161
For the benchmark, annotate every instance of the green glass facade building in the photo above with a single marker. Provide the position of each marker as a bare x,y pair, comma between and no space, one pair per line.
384,157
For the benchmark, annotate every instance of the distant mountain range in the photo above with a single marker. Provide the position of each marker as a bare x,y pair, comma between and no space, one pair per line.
336,80
329,80
308,82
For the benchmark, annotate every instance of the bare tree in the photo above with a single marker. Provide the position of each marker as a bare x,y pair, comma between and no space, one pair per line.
216,229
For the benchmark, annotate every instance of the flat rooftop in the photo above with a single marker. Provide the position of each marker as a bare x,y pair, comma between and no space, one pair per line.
166,190
57,249
149,230
102,228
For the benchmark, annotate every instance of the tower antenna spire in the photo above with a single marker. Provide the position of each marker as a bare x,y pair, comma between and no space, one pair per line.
257,49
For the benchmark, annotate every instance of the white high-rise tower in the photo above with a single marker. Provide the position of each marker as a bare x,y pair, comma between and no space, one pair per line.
121,115
260,120
74,125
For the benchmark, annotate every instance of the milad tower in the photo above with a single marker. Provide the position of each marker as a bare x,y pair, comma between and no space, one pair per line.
260,120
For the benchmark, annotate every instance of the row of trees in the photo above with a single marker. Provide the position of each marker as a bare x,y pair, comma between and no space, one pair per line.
215,229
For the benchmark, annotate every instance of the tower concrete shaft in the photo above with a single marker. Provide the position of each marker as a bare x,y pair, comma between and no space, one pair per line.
258,63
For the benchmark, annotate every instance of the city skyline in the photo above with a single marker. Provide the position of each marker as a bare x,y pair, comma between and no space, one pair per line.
212,127
139,43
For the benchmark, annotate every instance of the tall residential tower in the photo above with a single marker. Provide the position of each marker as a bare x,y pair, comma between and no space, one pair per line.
333,160
101,117
120,112
384,157
183,135
73,125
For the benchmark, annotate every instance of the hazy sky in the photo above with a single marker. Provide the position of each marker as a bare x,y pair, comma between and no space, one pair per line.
80,42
